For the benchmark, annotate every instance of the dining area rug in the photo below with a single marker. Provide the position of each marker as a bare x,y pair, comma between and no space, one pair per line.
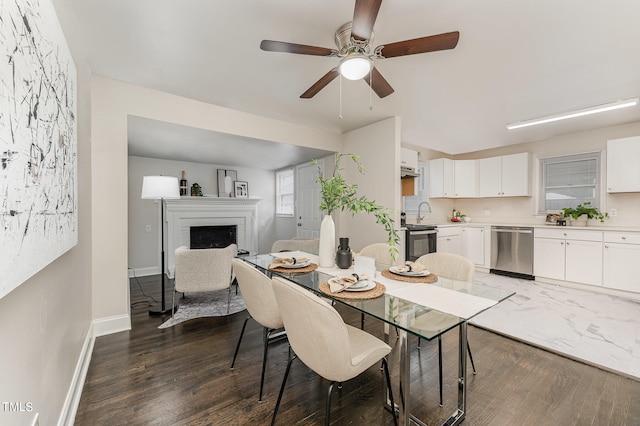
205,304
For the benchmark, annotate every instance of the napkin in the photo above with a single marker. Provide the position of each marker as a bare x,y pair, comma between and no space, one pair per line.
339,284
411,267
286,261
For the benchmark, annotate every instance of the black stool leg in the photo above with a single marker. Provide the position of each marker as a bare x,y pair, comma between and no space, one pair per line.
284,382
235,355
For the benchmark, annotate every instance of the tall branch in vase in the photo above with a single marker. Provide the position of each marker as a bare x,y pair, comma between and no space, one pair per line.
337,194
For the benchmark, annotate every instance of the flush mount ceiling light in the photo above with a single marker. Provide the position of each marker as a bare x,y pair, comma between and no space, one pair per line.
355,67
576,113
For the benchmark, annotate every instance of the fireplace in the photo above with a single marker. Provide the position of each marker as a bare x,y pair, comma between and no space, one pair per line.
203,237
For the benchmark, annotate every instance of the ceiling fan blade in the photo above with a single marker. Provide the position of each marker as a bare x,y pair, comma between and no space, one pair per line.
320,84
380,85
302,49
364,16
421,45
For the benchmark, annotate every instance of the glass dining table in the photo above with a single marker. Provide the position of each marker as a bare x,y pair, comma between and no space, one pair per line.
425,310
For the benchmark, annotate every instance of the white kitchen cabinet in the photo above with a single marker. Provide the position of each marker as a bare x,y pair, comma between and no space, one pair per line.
473,244
505,176
449,240
569,255
441,178
621,261
623,165
465,178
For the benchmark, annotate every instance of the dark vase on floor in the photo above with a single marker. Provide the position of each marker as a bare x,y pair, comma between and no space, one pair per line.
343,255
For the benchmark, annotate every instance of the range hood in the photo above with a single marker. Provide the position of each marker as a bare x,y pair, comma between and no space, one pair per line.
408,171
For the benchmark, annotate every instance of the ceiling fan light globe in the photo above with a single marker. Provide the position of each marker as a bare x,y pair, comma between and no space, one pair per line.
355,68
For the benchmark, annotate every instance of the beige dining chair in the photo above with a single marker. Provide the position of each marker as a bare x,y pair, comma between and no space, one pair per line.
455,267
323,342
262,307
199,270
308,245
380,252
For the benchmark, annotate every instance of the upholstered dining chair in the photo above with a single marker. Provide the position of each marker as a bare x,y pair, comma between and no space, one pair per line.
258,296
455,267
308,245
199,270
323,342
380,252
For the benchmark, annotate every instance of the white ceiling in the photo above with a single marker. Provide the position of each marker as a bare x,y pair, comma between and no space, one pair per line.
515,60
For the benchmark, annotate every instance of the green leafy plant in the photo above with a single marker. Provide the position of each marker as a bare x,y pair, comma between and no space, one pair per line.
584,209
196,190
337,194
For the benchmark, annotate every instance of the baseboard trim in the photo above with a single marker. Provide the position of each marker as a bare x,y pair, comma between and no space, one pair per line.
72,400
110,325
144,272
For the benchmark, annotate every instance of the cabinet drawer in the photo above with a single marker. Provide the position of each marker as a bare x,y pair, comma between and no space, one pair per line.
449,231
569,234
622,237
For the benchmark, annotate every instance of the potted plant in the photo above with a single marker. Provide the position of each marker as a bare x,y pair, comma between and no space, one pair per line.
585,210
336,195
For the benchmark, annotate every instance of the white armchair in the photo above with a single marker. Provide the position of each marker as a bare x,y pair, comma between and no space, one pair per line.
199,270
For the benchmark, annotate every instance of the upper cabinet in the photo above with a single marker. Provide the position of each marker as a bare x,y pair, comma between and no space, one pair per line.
623,165
441,178
505,176
465,179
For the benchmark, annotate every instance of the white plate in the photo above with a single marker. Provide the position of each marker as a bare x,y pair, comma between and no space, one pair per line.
296,265
362,285
424,273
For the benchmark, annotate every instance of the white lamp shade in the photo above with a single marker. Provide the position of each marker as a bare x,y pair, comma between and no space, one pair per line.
355,68
160,187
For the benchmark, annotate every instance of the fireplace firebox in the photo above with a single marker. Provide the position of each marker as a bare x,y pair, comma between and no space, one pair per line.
220,236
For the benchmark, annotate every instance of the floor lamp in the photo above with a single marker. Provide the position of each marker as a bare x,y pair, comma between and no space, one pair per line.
160,188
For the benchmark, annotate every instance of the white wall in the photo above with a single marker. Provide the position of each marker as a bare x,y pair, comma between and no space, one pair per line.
44,323
378,146
112,102
144,247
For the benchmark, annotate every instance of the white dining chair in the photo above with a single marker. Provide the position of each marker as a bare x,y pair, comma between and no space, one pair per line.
323,342
380,252
455,267
261,304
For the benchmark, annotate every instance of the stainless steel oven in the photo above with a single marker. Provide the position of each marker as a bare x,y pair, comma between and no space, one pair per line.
420,240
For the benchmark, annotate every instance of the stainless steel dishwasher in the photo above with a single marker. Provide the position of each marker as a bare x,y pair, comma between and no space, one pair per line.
512,251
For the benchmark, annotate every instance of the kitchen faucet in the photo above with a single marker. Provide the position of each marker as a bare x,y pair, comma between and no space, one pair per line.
420,208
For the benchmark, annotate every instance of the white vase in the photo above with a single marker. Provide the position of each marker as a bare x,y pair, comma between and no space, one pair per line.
327,249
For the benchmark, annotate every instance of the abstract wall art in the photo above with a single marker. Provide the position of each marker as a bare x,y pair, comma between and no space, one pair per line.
38,141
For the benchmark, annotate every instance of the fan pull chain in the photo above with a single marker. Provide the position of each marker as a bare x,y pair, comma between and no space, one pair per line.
340,113
371,89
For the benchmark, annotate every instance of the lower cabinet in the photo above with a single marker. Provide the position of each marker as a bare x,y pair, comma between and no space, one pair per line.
568,255
621,261
473,244
450,240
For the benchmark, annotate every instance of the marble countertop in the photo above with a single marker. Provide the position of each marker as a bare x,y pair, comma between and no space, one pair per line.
538,225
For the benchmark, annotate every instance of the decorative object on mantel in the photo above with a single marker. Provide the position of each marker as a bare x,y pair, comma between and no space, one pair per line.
38,143
337,194
582,212
160,188
344,258
184,186
241,189
196,190
225,182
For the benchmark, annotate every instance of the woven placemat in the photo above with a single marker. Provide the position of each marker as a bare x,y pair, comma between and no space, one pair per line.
428,279
375,292
311,267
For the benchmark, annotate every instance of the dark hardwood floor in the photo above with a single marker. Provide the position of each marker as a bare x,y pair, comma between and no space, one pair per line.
181,376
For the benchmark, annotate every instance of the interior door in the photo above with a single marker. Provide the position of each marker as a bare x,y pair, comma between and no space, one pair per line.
308,213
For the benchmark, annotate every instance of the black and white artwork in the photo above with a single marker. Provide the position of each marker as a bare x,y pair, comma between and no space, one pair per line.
225,182
241,189
38,141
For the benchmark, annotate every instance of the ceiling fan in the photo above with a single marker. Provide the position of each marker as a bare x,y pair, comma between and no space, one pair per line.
353,40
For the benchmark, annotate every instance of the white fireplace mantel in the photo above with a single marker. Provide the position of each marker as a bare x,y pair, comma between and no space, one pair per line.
186,212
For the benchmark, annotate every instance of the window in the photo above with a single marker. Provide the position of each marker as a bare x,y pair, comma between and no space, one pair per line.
284,192
569,180
421,190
